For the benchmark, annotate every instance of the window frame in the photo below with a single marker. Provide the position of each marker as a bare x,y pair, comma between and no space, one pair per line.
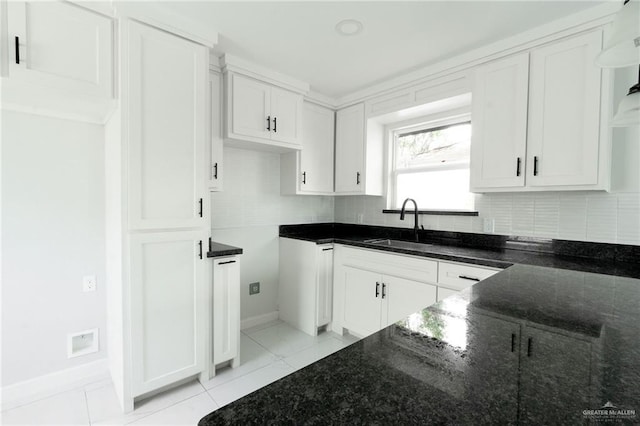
425,123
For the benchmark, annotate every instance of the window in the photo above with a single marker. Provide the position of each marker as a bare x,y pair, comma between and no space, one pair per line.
431,165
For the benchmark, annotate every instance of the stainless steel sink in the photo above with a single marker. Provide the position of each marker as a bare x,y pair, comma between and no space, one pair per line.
409,245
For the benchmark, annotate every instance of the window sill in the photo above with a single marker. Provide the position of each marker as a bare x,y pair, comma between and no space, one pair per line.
435,212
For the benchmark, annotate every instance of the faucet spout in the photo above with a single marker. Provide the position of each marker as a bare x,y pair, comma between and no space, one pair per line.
402,213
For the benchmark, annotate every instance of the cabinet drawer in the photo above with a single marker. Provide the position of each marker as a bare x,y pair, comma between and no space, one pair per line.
456,276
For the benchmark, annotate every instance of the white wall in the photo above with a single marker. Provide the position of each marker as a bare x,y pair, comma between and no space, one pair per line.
247,214
52,235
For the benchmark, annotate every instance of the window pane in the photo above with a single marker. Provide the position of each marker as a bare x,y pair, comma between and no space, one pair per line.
448,145
436,190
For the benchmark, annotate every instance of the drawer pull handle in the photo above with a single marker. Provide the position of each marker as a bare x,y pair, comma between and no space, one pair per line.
465,277
227,262
215,171
268,123
535,165
377,289
304,178
518,166
384,287
200,249
275,124
357,178
327,249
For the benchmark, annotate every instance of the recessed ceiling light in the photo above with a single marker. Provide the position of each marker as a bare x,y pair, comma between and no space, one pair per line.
349,27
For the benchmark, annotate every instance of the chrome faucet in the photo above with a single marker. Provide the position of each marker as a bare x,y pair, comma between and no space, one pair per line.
415,225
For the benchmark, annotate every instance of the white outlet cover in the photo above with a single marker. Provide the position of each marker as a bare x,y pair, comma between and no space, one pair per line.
489,225
89,283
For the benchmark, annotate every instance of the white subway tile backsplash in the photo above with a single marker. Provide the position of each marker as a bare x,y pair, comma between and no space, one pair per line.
572,217
546,215
602,217
629,218
522,214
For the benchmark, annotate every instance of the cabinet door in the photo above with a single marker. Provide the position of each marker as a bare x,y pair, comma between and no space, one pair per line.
286,116
250,107
316,157
361,301
61,45
324,289
564,113
215,145
554,377
404,297
167,130
350,149
499,120
226,309
168,308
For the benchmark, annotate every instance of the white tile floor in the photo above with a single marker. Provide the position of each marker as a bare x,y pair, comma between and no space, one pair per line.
268,353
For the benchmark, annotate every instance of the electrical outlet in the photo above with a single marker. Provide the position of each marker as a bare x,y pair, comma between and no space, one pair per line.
489,225
254,288
89,283
360,218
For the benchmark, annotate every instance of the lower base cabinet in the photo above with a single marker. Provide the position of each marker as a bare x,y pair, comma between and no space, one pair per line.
168,318
225,312
373,289
306,284
373,301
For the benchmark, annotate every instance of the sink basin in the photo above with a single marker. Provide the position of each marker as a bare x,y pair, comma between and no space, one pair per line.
410,245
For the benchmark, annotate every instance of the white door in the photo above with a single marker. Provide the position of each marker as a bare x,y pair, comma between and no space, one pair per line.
324,289
564,112
316,157
168,307
167,130
250,111
404,297
286,116
226,309
350,149
215,145
61,45
499,121
362,301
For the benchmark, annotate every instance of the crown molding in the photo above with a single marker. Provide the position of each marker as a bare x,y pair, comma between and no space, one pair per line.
238,65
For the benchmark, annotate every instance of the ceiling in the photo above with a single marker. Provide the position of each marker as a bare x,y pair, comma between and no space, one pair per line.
299,38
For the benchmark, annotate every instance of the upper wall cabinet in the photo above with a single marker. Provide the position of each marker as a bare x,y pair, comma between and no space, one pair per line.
61,48
215,167
167,129
359,154
260,115
552,104
310,170
499,117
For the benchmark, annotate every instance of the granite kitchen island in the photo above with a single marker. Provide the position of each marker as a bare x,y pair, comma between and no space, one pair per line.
529,345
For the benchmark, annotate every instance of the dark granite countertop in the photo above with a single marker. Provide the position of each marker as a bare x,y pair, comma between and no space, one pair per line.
486,250
529,345
219,250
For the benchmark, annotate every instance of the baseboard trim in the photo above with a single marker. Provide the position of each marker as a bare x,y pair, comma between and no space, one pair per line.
25,392
258,320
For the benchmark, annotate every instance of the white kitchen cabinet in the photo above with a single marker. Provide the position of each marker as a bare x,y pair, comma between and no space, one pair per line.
168,307
373,289
263,115
454,277
157,270
167,83
556,122
215,169
350,149
359,153
310,171
61,45
498,142
226,311
305,291
373,301
564,113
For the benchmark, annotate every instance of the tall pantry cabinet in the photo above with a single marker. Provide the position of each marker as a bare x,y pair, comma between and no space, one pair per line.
158,212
